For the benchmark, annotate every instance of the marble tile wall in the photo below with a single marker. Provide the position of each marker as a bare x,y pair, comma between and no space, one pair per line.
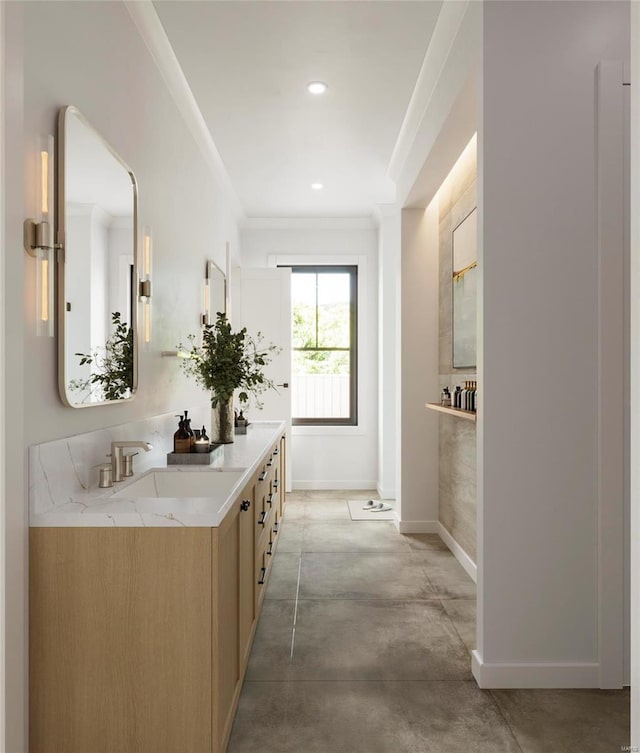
62,468
457,438
457,443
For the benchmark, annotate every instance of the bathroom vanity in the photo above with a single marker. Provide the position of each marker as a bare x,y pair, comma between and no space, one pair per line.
144,601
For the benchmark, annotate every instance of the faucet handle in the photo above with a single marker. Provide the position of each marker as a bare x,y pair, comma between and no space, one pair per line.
127,464
106,475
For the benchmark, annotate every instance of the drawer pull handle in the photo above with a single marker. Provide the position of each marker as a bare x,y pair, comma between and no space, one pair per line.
270,549
270,462
276,451
263,574
245,504
263,517
270,500
275,484
275,528
262,476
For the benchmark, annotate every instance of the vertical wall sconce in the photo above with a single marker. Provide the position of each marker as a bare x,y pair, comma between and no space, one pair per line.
145,285
206,298
39,238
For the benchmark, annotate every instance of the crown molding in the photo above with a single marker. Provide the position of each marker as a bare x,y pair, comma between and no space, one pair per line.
445,32
157,42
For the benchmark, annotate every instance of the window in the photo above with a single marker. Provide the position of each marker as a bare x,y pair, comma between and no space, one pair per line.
324,368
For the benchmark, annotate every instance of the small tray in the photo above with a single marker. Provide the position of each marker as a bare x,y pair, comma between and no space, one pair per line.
194,458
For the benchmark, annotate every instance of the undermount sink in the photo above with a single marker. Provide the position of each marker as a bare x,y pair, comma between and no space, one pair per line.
161,484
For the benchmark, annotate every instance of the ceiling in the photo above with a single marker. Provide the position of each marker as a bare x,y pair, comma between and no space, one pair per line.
248,64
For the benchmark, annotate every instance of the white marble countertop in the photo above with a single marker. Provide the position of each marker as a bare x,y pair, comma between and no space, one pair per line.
94,507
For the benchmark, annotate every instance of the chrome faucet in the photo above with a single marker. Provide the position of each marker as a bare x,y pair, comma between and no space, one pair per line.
116,456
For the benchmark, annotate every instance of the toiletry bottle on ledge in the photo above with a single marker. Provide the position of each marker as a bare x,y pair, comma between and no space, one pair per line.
189,430
181,439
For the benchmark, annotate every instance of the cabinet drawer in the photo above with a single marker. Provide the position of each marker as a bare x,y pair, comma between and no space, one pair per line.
275,530
261,577
266,469
264,516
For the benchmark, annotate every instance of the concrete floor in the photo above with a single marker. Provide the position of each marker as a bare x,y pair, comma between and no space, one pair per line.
363,647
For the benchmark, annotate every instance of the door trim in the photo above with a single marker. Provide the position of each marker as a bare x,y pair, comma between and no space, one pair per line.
612,356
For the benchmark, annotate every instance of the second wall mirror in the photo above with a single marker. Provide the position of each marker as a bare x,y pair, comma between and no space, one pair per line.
97,275
465,283
215,292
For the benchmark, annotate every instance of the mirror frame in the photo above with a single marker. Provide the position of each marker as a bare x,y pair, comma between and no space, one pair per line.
61,304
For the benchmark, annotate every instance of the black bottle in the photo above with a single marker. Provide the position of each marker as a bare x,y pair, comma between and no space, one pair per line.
189,430
181,439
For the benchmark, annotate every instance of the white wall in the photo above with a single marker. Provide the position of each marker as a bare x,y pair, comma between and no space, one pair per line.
90,55
389,293
13,302
78,231
418,497
332,457
538,446
99,277
635,376
125,98
120,260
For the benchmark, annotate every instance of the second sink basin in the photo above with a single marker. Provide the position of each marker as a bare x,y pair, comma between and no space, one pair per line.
208,484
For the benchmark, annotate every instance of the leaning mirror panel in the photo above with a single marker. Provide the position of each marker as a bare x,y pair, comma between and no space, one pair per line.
97,271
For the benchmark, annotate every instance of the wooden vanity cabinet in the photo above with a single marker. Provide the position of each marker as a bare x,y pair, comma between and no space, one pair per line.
236,615
120,634
140,637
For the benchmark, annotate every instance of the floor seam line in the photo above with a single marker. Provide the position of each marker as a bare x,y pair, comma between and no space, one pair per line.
505,720
295,611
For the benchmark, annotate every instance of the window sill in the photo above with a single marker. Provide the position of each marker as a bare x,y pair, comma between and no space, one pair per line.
326,431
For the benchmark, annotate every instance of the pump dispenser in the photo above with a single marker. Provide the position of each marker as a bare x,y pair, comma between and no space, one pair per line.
181,439
189,430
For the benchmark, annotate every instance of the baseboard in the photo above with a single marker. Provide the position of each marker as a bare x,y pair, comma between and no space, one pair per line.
329,485
534,675
385,493
415,526
458,552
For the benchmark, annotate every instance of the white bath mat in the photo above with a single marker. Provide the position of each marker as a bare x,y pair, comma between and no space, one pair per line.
357,513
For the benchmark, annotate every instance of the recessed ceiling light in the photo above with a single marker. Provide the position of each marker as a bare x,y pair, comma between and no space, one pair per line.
317,186
317,87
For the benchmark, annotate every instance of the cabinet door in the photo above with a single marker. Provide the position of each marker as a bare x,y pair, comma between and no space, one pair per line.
226,668
282,477
247,581
120,640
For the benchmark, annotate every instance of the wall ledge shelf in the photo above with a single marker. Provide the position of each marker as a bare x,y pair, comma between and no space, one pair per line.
467,415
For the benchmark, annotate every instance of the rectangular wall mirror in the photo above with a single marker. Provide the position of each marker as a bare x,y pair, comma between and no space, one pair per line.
217,283
97,276
465,281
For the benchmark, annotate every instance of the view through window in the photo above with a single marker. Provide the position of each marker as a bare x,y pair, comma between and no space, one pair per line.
324,369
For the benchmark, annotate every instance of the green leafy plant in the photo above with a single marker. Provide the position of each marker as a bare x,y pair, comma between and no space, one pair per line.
228,361
111,366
